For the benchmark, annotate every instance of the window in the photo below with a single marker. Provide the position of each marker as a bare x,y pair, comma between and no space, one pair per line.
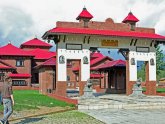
19,83
19,62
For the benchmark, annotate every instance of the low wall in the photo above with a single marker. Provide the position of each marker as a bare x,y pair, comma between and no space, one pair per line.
24,88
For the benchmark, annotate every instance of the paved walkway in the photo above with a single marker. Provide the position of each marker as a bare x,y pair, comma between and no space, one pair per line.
112,101
121,116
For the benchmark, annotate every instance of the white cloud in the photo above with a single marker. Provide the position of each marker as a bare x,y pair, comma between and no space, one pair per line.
41,15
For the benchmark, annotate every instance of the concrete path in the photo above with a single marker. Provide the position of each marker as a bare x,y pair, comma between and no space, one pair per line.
121,116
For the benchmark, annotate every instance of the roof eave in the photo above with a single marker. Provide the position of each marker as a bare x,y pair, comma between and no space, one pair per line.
62,33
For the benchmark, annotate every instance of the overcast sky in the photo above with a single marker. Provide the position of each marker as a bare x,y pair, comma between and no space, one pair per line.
21,20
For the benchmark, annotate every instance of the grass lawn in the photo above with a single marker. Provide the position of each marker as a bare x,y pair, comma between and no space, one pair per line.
69,117
159,90
31,99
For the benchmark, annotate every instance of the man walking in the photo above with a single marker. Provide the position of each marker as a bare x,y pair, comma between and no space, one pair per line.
7,98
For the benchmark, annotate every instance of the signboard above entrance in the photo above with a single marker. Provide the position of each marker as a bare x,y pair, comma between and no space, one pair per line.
113,43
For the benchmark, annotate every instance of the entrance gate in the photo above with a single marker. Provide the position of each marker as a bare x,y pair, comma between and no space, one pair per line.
75,41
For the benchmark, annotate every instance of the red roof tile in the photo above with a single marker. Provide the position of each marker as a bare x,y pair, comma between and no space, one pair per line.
60,30
130,18
19,75
42,54
112,64
94,61
84,14
49,62
96,55
11,50
36,42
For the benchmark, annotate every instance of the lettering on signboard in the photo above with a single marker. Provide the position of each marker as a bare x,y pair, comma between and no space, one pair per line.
109,42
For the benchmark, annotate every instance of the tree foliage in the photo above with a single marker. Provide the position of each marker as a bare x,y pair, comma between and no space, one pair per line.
160,63
141,72
160,66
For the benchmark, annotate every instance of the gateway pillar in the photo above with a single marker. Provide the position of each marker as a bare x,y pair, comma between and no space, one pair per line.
62,56
131,70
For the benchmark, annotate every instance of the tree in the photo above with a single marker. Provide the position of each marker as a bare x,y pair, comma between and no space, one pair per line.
160,63
141,71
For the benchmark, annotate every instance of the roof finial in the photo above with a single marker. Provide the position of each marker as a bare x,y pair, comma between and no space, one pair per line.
84,8
36,36
9,42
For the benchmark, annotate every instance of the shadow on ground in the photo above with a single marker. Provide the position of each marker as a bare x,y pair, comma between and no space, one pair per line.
30,120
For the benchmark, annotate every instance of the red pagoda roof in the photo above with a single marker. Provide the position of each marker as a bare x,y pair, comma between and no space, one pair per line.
19,75
42,54
36,42
49,62
84,14
130,18
113,64
60,30
11,50
94,61
96,55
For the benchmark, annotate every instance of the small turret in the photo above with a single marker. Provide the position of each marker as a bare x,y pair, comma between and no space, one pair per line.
85,16
131,19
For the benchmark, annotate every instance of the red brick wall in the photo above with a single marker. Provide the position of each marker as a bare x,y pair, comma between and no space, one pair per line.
81,87
25,69
151,87
45,79
61,88
24,88
107,25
